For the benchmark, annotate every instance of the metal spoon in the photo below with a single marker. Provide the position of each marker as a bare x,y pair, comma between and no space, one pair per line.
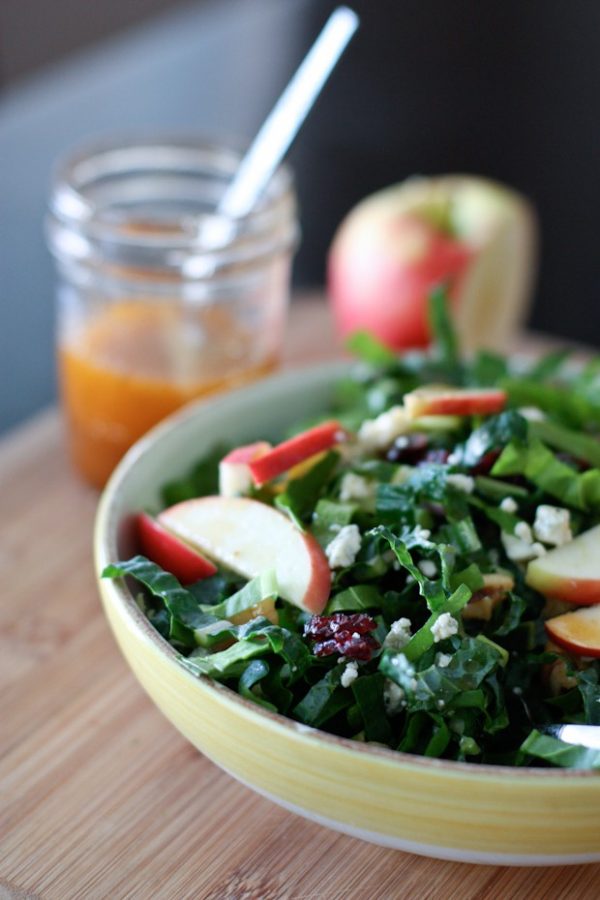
583,735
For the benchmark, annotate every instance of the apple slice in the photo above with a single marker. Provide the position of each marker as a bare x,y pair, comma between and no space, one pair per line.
439,400
250,537
171,553
288,454
578,631
235,478
570,572
496,588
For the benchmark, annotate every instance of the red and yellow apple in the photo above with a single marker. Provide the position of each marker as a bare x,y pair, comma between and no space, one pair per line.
250,538
171,553
439,400
297,449
570,572
394,247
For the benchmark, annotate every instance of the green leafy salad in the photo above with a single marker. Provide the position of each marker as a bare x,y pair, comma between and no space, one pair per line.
442,599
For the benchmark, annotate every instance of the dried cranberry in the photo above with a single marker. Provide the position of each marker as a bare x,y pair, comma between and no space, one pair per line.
486,463
408,448
345,633
359,647
330,626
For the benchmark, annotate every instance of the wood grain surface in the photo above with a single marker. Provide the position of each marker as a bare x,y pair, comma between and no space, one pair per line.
99,796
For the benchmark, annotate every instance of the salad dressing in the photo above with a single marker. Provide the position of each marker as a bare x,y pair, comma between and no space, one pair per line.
135,363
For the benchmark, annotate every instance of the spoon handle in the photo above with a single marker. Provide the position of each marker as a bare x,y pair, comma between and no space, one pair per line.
282,124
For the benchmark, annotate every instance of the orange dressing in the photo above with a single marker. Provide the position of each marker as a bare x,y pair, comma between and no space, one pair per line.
135,363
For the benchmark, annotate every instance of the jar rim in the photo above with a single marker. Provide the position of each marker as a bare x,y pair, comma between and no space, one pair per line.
98,208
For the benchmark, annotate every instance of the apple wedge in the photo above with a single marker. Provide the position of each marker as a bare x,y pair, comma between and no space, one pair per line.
171,553
570,572
250,537
235,477
578,631
289,453
439,400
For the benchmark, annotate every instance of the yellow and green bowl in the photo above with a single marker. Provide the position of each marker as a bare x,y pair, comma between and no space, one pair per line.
458,811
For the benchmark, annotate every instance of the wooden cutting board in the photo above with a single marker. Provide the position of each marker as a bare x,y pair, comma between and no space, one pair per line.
99,796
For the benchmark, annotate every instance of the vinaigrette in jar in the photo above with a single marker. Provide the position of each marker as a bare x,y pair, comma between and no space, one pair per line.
160,301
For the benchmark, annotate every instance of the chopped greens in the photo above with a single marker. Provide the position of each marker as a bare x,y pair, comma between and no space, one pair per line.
445,653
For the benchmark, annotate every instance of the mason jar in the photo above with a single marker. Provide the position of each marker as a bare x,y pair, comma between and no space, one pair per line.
160,299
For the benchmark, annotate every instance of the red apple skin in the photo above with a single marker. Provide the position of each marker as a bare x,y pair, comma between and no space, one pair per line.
263,530
319,588
578,631
582,592
432,402
171,553
289,453
247,453
382,268
234,470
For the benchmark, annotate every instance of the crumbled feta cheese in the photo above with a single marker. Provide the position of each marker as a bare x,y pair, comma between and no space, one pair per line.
523,532
517,549
349,675
405,671
532,413
509,505
428,568
342,550
355,487
404,666
444,627
462,483
379,433
552,525
421,535
442,660
398,635
520,546
393,697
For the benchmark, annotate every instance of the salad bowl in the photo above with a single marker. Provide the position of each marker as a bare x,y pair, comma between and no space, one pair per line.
451,810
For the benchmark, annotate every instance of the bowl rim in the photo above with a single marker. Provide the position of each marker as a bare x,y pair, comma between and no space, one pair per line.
105,529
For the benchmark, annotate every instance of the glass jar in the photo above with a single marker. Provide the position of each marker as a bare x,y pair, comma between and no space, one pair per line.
160,300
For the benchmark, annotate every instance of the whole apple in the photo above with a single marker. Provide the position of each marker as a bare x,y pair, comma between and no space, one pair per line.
394,247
